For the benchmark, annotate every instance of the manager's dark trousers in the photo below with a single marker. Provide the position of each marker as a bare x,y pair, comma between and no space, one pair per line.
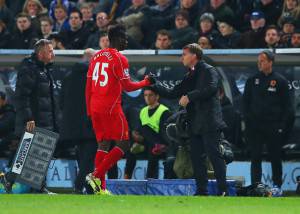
269,136
204,145
86,152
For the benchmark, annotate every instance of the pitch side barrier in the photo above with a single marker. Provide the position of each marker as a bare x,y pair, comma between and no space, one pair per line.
235,66
222,57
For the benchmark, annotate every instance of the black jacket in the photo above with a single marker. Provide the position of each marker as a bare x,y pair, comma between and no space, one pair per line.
253,39
75,39
266,101
7,120
23,40
201,86
75,124
34,95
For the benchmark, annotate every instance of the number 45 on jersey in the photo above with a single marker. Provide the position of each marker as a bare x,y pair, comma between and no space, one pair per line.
103,67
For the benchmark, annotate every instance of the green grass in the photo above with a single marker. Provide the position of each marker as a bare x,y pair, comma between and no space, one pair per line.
144,204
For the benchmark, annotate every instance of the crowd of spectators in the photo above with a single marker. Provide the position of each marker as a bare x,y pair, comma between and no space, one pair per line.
218,24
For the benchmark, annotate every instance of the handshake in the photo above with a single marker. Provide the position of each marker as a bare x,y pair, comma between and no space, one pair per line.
150,78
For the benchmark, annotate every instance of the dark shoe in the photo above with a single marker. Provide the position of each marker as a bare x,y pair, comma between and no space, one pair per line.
7,185
200,193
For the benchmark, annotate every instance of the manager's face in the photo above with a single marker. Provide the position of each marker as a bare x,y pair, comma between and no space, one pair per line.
187,57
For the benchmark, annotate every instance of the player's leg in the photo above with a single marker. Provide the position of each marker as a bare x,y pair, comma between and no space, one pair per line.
112,157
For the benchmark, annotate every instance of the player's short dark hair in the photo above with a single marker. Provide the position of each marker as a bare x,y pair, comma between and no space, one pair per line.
164,32
150,88
115,31
23,15
40,45
195,48
269,54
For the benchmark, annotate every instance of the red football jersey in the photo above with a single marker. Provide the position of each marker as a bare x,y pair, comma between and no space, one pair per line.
108,75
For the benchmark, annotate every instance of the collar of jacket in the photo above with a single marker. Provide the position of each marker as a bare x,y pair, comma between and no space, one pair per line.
39,63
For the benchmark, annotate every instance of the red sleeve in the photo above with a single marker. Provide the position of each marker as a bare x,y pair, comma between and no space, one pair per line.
128,85
88,88
122,73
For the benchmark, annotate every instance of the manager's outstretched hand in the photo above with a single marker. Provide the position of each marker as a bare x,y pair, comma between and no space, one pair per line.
151,79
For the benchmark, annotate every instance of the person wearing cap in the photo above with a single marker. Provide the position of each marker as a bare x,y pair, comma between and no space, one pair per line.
288,27
229,37
254,38
206,27
267,111
183,32
295,39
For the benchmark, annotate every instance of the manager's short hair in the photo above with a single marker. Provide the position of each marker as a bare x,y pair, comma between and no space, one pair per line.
40,45
195,48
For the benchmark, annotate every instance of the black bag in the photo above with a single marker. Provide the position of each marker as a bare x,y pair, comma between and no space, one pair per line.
226,150
183,167
256,190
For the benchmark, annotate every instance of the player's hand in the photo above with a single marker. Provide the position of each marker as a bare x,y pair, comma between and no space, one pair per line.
184,101
30,125
150,79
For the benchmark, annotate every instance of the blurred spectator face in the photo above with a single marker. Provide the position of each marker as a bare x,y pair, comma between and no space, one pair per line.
46,28
205,26
181,22
23,23
162,42
291,4
47,54
271,37
150,97
216,3
204,42
103,42
87,13
295,40
263,63
162,3
137,3
60,14
187,3
266,2
75,21
32,8
288,28
102,20
257,23
225,29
